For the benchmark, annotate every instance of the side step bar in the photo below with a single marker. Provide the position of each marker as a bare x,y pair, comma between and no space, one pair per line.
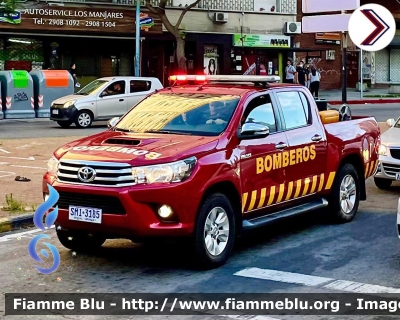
264,220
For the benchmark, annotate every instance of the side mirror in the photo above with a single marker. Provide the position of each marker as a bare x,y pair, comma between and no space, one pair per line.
253,131
112,122
103,94
390,122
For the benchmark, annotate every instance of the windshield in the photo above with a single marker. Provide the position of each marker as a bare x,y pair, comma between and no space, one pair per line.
91,87
181,113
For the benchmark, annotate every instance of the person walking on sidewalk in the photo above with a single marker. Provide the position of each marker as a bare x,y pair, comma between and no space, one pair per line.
315,78
290,72
301,74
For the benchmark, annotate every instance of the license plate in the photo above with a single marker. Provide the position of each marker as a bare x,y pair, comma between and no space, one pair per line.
397,176
85,214
54,111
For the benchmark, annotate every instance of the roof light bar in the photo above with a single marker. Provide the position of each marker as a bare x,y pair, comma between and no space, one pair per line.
226,78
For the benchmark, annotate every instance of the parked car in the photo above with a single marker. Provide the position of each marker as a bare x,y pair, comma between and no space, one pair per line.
389,156
208,160
101,100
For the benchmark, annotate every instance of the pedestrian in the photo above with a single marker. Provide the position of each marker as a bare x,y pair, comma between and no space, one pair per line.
290,72
72,71
301,74
315,78
308,71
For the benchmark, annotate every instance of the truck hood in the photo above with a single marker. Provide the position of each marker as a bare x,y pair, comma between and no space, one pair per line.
136,149
70,97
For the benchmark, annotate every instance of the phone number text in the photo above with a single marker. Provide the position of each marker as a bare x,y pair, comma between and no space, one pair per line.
73,23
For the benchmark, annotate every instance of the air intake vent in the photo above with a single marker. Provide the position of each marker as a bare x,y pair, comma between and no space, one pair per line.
131,142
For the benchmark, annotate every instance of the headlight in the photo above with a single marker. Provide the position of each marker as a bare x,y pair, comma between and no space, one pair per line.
165,173
69,103
52,165
382,150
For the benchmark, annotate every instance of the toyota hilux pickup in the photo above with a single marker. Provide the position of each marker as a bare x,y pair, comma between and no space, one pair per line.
208,158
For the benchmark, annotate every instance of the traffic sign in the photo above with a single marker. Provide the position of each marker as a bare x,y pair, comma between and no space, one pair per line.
315,6
372,27
326,23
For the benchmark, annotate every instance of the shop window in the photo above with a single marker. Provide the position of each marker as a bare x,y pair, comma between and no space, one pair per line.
139,86
21,53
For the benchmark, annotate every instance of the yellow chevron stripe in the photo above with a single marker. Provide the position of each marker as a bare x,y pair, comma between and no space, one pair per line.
244,200
330,180
271,195
321,183
262,198
371,171
314,184
290,190
281,192
298,188
306,185
253,200
367,170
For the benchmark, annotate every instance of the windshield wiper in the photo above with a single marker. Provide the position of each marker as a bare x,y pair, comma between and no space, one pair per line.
168,132
82,93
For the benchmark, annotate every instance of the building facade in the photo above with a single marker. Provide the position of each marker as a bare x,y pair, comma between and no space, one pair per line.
222,37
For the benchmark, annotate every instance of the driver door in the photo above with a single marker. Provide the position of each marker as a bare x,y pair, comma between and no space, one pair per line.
263,178
114,105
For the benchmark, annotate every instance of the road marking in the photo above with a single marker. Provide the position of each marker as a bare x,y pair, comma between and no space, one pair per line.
314,281
4,174
4,162
20,234
29,158
5,151
14,165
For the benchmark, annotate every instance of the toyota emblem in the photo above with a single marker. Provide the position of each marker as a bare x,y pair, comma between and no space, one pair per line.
86,174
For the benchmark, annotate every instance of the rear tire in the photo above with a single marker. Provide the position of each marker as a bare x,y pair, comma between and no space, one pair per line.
80,242
345,196
64,124
83,119
383,184
214,235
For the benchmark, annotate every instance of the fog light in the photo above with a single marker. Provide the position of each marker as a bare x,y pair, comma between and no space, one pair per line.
165,211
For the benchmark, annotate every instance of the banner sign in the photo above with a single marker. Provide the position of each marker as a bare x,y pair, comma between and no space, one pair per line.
261,41
327,38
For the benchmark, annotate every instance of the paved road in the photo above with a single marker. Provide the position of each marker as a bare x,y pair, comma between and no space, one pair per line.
28,128
364,252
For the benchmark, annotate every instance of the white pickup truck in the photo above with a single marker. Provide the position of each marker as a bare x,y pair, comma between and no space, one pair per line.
101,100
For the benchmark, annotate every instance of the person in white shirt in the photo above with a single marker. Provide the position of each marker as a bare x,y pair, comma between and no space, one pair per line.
290,71
315,78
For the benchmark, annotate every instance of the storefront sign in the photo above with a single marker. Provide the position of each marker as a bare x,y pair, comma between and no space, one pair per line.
79,19
261,41
327,38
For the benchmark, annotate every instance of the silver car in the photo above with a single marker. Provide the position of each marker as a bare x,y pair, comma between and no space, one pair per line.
102,99
389,156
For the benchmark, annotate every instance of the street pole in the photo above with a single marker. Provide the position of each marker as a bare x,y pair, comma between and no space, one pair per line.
362,76
344,68
137,38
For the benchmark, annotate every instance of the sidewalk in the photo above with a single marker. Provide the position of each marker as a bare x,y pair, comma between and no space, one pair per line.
373,96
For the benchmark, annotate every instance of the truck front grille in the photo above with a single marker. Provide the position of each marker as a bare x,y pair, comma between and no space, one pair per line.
395,153
108,204
106,174
391,169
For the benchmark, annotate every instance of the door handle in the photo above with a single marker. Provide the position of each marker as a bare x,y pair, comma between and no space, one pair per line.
317,137
281,146
121,99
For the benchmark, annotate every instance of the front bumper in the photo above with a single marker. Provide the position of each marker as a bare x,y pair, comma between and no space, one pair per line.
128,212
63,114
388,167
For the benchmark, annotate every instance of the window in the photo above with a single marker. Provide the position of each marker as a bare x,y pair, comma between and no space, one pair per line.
292,109
306,106
115,88
140,86
260,111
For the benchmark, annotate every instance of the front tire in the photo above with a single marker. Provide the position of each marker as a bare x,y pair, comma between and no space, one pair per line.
83,119
345,197
64,124
80,243
383,184
215,231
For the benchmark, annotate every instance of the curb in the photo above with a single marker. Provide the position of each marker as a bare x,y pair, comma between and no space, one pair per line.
17,222
366,101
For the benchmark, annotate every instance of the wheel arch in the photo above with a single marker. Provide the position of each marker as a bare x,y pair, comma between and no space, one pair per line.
358,163
230,191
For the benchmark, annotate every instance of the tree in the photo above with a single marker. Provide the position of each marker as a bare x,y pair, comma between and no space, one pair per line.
173,29
8,7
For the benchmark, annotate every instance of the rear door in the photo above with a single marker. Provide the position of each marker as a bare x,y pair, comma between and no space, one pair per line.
262,177
138,89
307,150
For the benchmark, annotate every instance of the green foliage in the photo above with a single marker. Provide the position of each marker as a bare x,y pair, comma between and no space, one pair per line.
8,7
